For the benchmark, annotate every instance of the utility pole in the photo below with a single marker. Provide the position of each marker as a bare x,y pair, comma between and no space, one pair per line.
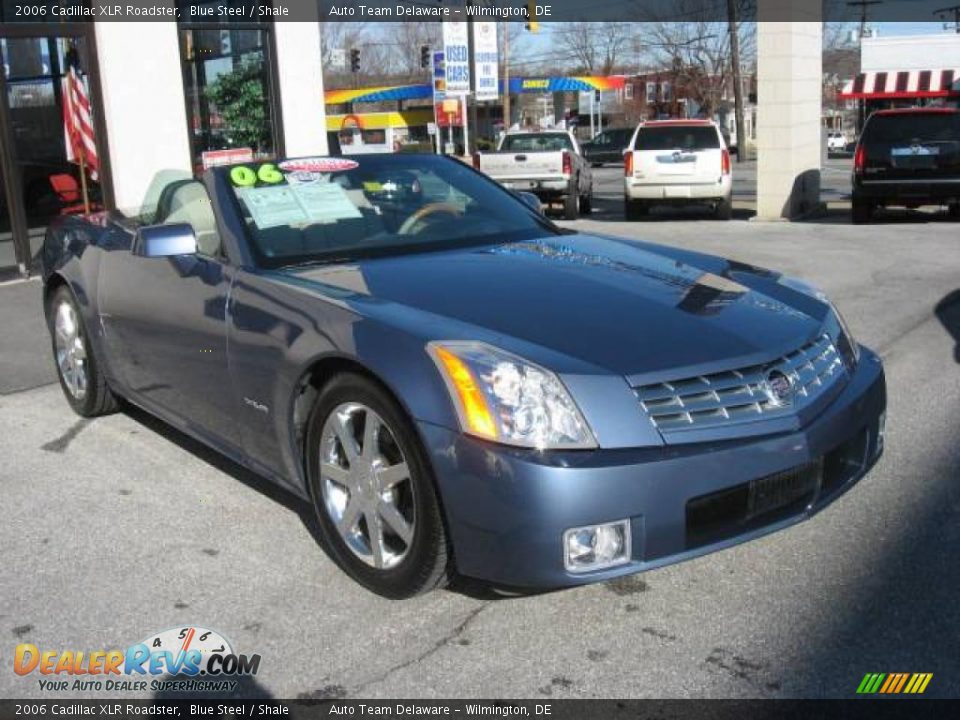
863,4
944,13
506,76
737,79
470,116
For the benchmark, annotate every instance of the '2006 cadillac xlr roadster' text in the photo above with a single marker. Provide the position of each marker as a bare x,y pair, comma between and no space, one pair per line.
457,384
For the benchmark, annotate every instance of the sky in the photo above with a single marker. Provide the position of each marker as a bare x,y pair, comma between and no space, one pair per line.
540,42
887,29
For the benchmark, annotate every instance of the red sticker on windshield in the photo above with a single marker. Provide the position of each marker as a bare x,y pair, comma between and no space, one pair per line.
325,165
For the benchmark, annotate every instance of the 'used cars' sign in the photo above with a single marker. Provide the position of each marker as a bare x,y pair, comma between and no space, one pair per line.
456,57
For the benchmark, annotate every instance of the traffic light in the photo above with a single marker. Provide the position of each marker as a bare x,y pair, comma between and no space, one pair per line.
354,60
532,25
424,56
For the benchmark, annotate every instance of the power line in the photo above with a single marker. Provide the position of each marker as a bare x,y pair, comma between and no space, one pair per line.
944,13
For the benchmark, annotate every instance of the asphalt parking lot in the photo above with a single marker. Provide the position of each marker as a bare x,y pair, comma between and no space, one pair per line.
121,527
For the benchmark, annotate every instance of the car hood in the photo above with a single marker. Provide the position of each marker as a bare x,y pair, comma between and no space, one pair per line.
629,308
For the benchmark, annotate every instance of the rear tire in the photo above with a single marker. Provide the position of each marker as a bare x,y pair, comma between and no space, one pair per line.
954,211
571,206
861,212
635,209
586,204
384,529
83,385
724,209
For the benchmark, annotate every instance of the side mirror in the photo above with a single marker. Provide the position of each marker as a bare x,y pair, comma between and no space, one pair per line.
531,201
165,240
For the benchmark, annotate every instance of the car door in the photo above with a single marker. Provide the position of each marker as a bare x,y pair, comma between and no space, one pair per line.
618,144
164,321
607,152
599,147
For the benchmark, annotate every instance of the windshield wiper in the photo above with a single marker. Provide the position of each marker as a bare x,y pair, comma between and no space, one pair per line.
317,261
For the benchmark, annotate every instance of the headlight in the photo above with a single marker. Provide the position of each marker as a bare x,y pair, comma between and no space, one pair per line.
846,343
501,397
835,325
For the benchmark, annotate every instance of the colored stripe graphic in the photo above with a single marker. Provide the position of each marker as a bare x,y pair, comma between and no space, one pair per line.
894,683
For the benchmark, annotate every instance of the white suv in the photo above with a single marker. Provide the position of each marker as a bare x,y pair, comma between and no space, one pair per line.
677,162
836,142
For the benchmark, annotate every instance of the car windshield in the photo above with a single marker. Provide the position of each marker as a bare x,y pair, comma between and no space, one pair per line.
536,142
333,209
677,137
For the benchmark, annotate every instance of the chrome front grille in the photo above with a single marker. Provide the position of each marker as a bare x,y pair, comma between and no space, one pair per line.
742,395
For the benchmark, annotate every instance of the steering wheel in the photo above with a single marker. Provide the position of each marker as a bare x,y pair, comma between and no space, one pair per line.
430,209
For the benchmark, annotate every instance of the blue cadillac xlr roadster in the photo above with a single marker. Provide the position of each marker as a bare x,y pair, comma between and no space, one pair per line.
455,383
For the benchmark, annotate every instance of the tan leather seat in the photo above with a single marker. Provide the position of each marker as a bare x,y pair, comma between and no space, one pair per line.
191,204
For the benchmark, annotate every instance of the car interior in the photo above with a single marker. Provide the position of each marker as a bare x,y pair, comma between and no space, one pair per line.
187,201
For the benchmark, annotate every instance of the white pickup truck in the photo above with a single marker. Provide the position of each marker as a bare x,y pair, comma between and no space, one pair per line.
547,163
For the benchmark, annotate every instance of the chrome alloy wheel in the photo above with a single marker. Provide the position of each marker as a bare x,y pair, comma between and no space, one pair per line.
71,352
366,485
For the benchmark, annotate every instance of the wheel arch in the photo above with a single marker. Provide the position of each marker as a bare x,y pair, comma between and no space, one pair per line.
307,389
54,282
315,376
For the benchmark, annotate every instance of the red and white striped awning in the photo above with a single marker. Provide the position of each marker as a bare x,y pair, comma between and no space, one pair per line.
905,84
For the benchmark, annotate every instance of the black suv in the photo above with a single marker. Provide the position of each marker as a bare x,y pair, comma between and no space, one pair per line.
607,146
907,157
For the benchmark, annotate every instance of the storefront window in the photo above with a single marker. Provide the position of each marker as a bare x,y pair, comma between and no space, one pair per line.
373,137
46,175
227,81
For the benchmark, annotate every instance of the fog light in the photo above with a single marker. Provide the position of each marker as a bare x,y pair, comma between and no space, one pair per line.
596,546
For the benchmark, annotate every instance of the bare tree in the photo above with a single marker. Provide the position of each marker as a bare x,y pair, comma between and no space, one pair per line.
403,41
375,61
595,47
697,51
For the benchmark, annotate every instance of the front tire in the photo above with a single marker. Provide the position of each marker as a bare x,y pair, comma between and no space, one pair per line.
373,490
83,385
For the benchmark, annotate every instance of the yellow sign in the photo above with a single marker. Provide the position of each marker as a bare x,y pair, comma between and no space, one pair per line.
380,120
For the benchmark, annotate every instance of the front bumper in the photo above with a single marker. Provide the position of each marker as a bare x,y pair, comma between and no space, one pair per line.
507,509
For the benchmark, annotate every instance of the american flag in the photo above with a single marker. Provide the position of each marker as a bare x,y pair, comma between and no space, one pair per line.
77,123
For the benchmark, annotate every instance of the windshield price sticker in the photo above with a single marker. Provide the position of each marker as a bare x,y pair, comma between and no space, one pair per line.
299,171
320,164
297,205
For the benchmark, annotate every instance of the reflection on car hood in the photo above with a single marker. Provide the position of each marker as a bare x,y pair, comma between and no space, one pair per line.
626,307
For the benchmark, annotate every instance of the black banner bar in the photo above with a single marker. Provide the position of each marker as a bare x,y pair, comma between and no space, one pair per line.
242,12
546,709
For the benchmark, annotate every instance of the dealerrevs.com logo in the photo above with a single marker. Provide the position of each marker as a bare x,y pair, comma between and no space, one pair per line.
184,659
